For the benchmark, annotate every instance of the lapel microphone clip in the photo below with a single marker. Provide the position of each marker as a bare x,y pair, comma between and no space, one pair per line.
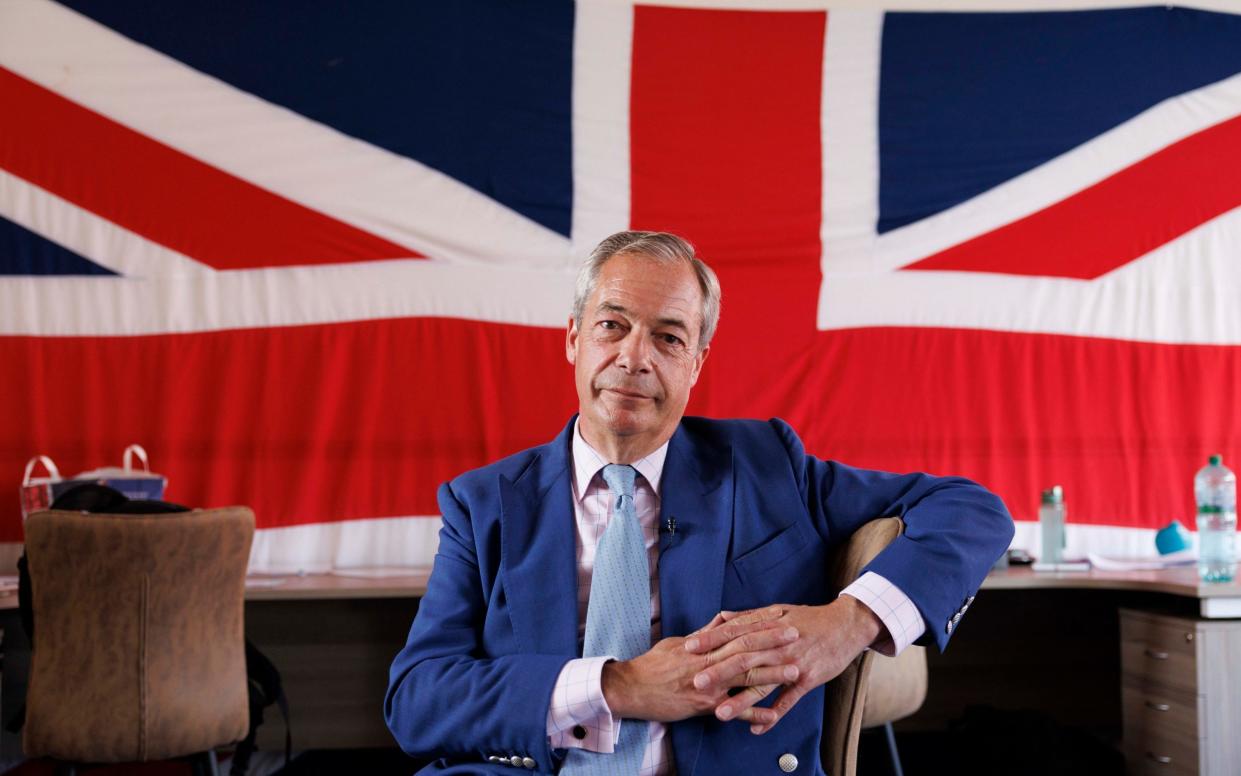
671,525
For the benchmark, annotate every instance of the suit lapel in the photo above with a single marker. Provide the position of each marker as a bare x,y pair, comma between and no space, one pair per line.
697,490
538,551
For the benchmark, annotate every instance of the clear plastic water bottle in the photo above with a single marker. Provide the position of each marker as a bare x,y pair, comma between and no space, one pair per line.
1215,490
1051,519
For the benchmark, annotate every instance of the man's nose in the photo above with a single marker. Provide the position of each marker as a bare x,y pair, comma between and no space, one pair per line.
635,352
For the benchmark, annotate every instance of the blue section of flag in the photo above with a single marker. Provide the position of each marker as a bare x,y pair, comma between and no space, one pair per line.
22,252
478,89
970,100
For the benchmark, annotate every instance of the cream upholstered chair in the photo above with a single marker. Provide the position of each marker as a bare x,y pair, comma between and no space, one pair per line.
138,650
896,690
873,689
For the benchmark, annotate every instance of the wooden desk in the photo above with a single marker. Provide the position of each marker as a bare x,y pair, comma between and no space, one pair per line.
333,637
1215,600
396,583
1050,643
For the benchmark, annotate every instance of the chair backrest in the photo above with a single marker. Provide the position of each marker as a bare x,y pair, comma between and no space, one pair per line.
896,688
139,647
846,694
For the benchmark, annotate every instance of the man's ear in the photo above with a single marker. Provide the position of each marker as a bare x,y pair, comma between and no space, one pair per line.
699,360
570,342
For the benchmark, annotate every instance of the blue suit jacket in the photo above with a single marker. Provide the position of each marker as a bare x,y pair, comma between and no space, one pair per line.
755,518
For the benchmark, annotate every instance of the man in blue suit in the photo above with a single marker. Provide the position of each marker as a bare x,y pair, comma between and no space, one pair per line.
737,521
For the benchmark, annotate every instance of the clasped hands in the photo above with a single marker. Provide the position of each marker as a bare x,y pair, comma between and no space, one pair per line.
739,658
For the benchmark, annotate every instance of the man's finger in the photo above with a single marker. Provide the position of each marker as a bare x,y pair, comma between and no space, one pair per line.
757,684
758,716
714,638
741,705
731,669
789,697
753,615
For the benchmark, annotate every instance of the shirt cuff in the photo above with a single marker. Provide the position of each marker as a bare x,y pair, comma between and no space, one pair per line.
893,608
579,717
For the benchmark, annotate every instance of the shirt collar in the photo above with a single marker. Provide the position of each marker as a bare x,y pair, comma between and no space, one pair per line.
587,462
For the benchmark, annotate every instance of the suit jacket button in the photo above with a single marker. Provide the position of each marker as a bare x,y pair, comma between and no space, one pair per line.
528,762
579,732
788,762
515,760
494,759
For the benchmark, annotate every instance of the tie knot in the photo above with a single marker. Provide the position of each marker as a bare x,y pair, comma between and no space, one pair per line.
619,478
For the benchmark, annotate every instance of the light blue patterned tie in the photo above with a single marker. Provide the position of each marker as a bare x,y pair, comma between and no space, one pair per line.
618,619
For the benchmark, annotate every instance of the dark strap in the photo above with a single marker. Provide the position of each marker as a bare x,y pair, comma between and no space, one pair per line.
266,688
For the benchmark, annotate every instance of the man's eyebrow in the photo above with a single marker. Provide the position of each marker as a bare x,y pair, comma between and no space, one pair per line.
612,307
674,323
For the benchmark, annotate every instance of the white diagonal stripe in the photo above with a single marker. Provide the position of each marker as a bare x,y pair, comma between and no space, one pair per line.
88,235
1183,292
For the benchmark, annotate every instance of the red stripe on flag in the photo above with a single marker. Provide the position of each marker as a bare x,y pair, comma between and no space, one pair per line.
336,422
1117,220
163,194
1121,425
725,150
305,424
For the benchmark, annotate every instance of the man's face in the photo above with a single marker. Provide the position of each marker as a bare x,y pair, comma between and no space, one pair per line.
635,351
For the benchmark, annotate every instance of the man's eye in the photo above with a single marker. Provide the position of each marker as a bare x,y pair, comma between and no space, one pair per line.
672,339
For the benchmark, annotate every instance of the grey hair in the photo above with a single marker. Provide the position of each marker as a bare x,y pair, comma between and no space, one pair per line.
661,247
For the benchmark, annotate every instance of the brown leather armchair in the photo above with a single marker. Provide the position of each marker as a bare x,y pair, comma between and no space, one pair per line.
139,649
874,689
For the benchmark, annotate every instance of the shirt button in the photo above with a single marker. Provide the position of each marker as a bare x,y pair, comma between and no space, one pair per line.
579,732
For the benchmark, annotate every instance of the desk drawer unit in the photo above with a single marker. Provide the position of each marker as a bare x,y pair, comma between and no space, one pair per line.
1181,694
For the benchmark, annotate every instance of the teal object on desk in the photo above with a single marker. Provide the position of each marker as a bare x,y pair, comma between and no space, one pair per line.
1173,537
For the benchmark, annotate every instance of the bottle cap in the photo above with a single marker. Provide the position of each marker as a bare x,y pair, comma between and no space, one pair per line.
1216,459
1053,495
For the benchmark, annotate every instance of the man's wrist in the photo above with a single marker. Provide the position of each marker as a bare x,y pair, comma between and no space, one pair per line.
615,683
867,625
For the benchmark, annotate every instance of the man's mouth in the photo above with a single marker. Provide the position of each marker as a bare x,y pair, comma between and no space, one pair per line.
627,394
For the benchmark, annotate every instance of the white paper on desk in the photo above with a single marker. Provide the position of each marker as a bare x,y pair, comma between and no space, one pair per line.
1182,558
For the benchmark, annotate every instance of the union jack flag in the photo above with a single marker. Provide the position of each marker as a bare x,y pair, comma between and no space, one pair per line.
318,258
